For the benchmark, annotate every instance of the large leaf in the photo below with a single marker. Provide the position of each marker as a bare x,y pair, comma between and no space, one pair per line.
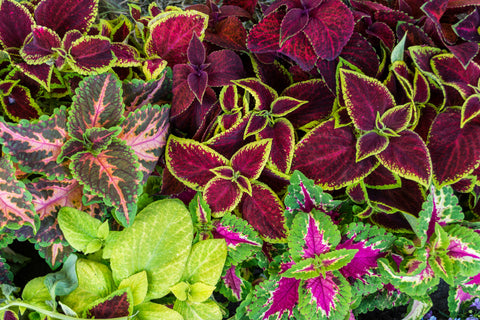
98,103
452,148
62,16
39,44
15,24
158,242
35,146
145,131
78,227
113,175
171,33
328,156
264,211
190,161
16,201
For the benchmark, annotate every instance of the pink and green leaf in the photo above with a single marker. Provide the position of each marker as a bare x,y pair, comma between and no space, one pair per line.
62,16
233,285
264,211
250,160
222,195
16,23
364,98
369,144
408,156
113,175
41,143
171,34
463,250
145,131
191,162
16,204
98,103
328,156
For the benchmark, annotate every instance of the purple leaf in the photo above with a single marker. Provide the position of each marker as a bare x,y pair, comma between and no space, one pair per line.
197,83
365,259
222,67
196,51
117,304
16,23
294,21
467,27
369,144
19,104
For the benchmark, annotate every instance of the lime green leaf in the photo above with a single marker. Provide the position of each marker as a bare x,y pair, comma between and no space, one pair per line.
36,293
155,311
78,227
200,292
180,290
207,310
138,283
206,261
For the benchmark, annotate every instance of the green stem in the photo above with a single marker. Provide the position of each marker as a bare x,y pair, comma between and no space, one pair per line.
52,314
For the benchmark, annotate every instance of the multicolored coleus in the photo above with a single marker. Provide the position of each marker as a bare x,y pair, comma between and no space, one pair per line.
303,30
226,184
53,36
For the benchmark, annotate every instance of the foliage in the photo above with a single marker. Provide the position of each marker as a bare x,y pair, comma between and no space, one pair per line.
327,152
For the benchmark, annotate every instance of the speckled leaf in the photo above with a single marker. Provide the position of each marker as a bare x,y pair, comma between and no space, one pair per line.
159,242
171,34
250,160
62,16
190,161
97,103
364,98
264,211
145,131
113,175
327,155
35,146
15,24
453,149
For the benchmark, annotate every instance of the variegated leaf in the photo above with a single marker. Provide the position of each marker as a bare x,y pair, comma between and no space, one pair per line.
113,175
250,160
222,195
464,250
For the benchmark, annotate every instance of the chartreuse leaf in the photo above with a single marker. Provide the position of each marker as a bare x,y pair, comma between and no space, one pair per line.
16,201
155,311
79,228
36,293
95,281
159,242
207,310
138,284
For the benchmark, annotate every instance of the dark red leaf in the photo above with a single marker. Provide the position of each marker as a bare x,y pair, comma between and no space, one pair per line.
19,104
223,66
300,50
250,160
197,83
370,144
39,44
182,95
229,33
196,51
283,143
116,305
294,21
91,55
16,23
264,37
467,28
222,195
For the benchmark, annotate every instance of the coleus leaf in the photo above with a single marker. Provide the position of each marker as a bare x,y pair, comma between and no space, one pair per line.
463,249
39,45
250,160
328,156
97,103
196,172
145,132
16,201
6,276
91,54
19,104
264,211
42,141
312,234
466,28
113,175
222,195
233,285
369,144
115,305
16,24
470,109
170,35
69,15
283,142
452,147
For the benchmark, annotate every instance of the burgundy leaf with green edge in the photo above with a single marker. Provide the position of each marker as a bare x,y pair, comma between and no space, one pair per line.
170,36
91,54
263,94
470,109
97,103
118,304
126,55
328,156
191,162
360,52
145,131
467,27
229,141
250,160
364,98
41,143
397,118
16,23
113,175
19,104
452,148
264,211
369,144
222,195
319,103
62,16
382,178
39,45
16,200
283,144
40,73
451,72
408,156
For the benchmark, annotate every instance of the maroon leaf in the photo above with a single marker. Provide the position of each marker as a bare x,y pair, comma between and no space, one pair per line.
197,83
183,96
294,21
283,143
264,37
117,304
382,178
327,155
222,67
19,104
408,156
361,53
248,5
250,160
15,24
467,27
300,50
222,195
40,73
62,16
452,148
264,211
92,54
371,143
196,51
226,143
470,109
263,94
397,118
39,44
191,162
229,33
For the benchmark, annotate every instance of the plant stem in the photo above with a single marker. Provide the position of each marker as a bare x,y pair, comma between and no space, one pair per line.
52,314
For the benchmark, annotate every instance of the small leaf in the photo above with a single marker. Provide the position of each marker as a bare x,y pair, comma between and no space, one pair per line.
138,284
207,310
222,195
369,144
200,292
470,109
250,160
78,227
